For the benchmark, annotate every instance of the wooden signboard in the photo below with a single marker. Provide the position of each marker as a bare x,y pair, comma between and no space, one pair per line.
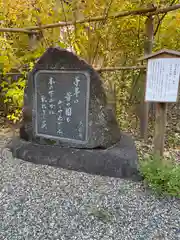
162,80
61,105
162,85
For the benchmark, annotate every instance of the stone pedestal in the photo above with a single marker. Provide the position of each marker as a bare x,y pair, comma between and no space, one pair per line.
118,161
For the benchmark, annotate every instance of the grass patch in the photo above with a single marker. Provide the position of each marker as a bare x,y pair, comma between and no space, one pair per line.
101,214
161,175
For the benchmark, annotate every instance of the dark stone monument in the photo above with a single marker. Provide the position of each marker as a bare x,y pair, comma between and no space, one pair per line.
66,121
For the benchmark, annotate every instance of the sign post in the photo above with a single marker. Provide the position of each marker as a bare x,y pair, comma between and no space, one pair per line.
162,84
160,128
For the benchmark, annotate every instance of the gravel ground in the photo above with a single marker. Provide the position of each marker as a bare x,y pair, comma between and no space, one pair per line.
41,202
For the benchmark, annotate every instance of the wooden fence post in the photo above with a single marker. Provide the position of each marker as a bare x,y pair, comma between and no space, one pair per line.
160,128
149,30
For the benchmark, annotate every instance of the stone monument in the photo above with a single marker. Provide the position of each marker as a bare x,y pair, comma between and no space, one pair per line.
66,121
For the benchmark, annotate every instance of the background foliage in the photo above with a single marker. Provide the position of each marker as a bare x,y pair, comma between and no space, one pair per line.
110,42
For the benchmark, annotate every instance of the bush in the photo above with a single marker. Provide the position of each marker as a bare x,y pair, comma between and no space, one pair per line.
13,95
162,175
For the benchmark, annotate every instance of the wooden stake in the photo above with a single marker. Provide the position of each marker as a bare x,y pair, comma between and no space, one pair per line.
147,50
160,128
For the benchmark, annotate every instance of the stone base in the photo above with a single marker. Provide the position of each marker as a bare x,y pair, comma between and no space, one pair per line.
119,161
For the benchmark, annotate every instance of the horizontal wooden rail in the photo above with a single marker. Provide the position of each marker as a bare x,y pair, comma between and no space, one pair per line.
17,30
123,68
141,11
103,69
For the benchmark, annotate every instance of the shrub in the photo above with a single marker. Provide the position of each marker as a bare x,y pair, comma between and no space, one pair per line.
162,175
13,94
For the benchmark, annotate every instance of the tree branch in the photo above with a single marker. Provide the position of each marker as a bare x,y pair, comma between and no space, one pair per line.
106,12
161,19
165,10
